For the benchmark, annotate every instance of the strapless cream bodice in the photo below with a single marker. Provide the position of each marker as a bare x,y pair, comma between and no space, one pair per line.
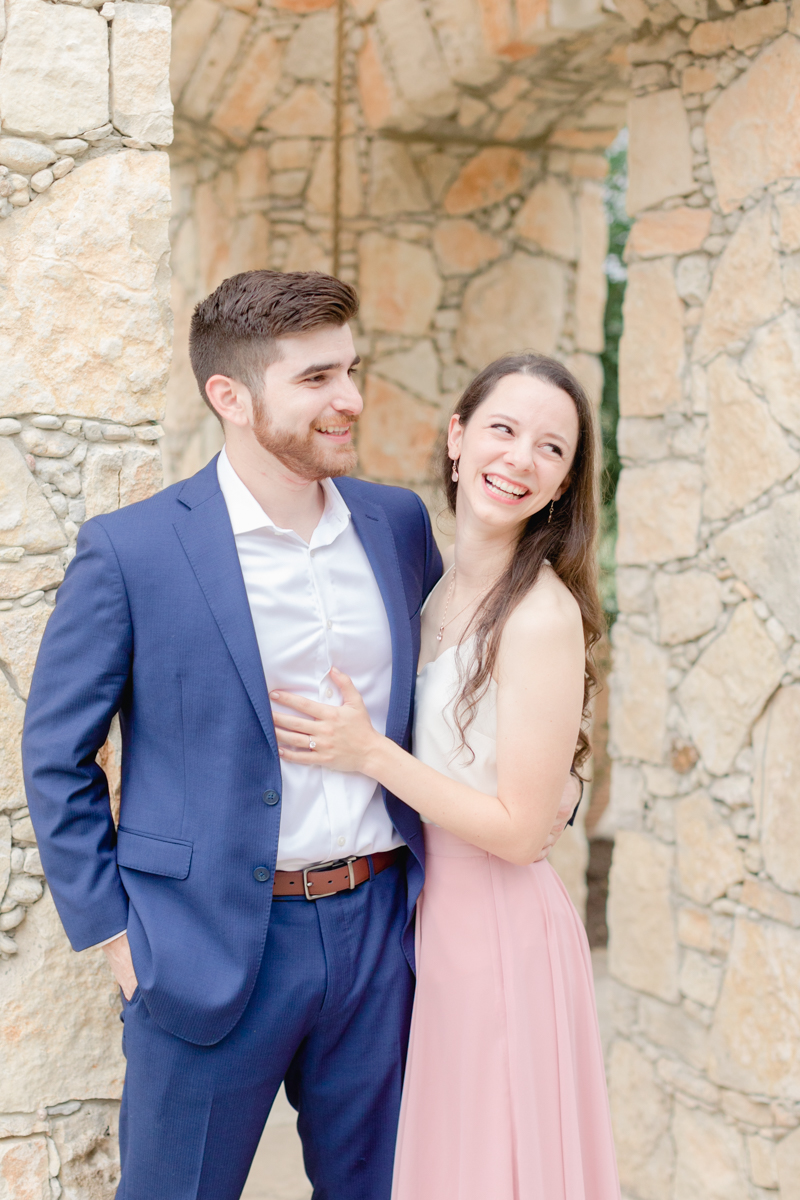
436,741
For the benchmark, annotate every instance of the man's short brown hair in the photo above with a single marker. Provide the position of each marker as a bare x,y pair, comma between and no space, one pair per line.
234,330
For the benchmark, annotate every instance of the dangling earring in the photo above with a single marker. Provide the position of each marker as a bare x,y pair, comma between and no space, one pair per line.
454,475
550,517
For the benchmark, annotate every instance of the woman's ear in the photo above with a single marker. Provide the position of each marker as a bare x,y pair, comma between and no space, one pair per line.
455,433
564,488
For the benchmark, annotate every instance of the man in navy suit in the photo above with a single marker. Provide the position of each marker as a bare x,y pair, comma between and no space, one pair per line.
258,921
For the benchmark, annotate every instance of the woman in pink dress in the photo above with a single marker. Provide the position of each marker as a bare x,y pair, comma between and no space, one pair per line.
505,1094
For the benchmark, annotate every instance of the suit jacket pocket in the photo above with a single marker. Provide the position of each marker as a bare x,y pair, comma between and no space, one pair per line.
153,854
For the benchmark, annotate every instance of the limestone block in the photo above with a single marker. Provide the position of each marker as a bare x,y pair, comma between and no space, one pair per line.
24,1171
650,366
547,218
697,80
305,253
640,1112
140,49
689,605
115,475
54,71
397,434
755,1037
459,25
570,858
493,174
588,370
746,451
12,789
634,590
704,930
517,304
461,247
26,519
20,154
213,65
728,687
191,31
710,1156
416,369
399,285
319,192
21,631
59,1025
591,285
764,551
642,947
787,1161
790,275
639,700
84,308
304,114
33,573
746,290
659,152
671,1026
380,101
749,145
414,54
5,846
310,52
772,364
787,204
396,185
659,512
710,38
709,859
87,1145
776,783
751,27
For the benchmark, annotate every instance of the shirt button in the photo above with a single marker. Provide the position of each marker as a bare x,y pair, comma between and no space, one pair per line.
329,692
270,797
329,624
340,841
261,874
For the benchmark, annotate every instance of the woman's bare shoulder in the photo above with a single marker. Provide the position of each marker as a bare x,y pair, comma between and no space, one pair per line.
548,610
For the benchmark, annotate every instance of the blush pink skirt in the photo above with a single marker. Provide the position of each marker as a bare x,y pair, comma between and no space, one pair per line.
505,1092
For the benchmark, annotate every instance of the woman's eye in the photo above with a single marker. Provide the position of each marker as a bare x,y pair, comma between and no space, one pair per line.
504,428
553,446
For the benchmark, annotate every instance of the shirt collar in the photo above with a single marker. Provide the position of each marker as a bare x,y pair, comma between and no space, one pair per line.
247,515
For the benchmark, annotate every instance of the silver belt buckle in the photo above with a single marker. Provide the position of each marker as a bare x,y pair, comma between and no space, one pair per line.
334,862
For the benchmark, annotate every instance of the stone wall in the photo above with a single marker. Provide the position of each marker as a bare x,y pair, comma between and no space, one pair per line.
704,909
85,331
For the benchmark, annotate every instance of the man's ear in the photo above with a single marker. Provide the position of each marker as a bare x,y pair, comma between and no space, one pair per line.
230,399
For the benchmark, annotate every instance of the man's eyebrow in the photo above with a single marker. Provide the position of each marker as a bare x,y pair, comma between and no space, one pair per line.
320,368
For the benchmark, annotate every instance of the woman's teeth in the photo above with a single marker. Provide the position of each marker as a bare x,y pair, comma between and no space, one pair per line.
502,485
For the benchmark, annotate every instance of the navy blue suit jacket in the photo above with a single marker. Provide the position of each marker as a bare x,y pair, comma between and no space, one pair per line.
152,621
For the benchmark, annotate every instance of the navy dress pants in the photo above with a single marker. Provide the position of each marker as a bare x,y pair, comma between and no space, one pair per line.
330,1013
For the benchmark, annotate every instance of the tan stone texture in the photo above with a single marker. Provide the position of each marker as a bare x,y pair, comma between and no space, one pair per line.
591,285
486,179
379,99
788,206
659,512
704,930
748,146
728,687
59,1025
87,1146
640,1112
418,65
671,1026
746,289
458,24
710,1156
676,231
518,304
710,38
140,50
21,631
212,66
117,475
689,605
304,114
752,26
763,550
776,787
787,1161
191,31
84,310
588,370
33,573
24,1172
650,369
399,285
305,253
54,70
642,948
461,247
320,188
26,519
746,451
755,1037
659,153
639,699
251,91
12,788
709,859
763,896
772,364
311,50
696,80
397,434
548,218
416,370
396,184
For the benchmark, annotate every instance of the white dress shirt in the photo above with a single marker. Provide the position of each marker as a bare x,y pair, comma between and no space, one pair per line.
316,605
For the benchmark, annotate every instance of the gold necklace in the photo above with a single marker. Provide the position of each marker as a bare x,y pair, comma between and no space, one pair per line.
440,634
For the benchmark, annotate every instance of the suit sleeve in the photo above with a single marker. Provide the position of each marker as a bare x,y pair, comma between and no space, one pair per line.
433,559
82,671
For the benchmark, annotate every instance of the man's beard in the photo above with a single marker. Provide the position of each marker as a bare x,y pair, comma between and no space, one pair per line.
301,452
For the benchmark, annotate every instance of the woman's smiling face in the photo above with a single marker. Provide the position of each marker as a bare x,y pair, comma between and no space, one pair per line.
515,453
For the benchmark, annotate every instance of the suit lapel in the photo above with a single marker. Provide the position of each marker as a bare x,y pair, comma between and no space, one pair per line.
207,539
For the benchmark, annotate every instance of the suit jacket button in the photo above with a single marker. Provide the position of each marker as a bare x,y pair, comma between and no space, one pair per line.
270,797
261,874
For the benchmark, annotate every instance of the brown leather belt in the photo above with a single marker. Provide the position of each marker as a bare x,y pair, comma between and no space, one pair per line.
341,875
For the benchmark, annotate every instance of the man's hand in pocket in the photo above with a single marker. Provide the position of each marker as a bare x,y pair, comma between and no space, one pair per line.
119,958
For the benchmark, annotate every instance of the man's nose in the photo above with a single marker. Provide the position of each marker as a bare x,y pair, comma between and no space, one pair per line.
348,398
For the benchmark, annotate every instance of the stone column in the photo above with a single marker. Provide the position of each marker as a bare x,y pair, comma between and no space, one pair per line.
85,331
704,909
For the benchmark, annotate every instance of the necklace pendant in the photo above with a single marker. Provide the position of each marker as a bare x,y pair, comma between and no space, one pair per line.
439,636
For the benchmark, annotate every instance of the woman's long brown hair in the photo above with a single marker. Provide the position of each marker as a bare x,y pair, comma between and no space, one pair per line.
567,542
